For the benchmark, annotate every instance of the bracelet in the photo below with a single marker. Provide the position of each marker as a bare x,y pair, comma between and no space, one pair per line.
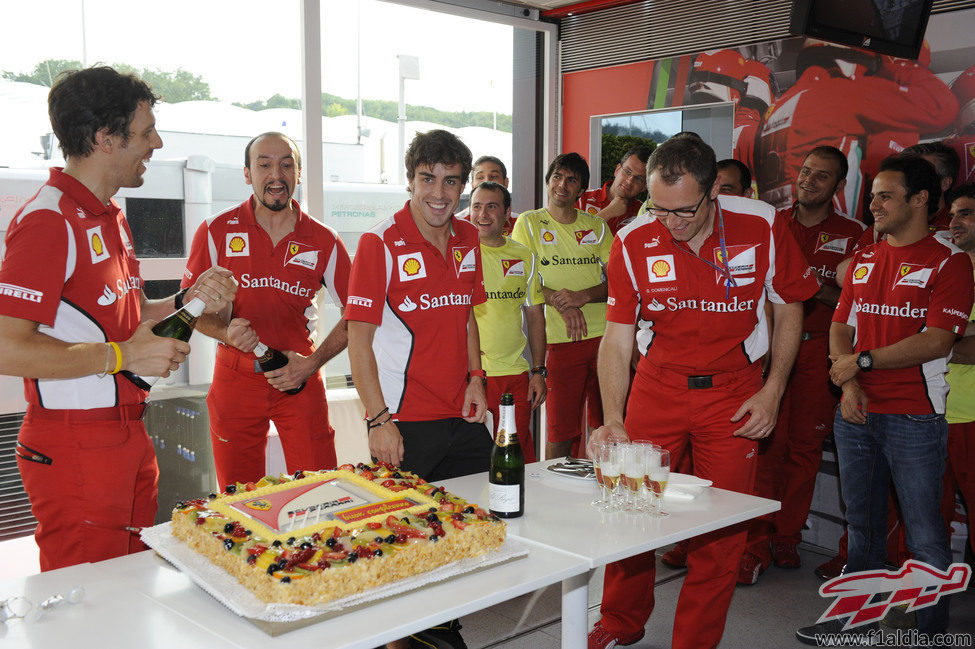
481,374
379,424
118,357
178,299
108,361
378,415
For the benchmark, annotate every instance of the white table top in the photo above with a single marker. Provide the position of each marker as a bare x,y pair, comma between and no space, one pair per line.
558,514
141,600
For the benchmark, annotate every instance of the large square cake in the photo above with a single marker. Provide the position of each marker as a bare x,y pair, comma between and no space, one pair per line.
323,535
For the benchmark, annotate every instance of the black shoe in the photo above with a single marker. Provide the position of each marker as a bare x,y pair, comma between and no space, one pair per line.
815,635
442,636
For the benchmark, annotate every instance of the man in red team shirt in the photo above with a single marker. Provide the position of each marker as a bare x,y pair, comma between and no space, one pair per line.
280,256
696,275
615,202
787,466
905,300
73,314
413,340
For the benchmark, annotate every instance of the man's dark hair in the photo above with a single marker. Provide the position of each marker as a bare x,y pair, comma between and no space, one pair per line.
294,147
83,102
832,153
966,190
572,162
491,186
919,175
437,147
743,172
681,155
493,160
948,161
641,151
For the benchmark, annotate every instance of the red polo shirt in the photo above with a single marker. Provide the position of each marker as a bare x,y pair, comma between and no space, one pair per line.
592,201
421,303
695,325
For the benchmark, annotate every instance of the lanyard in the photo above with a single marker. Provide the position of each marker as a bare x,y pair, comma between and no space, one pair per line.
723,269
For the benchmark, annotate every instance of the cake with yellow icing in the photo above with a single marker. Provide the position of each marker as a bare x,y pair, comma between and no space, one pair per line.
323,535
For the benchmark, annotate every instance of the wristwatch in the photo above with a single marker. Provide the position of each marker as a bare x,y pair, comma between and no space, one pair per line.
865,361
541,369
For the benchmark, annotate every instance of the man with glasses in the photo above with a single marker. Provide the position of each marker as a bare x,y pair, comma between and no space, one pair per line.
615,202
695,273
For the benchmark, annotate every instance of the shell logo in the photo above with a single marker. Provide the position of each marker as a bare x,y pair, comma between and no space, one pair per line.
458,257
259,504
592,210
237,244
548,236
96,244
411,267
660,268
860,272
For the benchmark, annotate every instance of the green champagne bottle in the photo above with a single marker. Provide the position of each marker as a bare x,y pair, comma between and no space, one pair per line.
506,491
177,325
268,358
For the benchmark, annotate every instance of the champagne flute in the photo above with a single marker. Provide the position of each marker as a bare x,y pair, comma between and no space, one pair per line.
658,472
611,467
597,467
634,464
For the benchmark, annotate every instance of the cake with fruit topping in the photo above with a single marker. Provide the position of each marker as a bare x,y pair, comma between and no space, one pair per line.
318,536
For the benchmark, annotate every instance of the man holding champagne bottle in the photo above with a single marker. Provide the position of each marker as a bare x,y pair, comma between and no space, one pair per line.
73,316
280,256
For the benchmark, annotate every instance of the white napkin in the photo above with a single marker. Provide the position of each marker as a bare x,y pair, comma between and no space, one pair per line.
683,488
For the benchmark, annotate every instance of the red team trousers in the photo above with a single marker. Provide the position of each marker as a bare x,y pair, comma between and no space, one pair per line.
241,402
517,385
960,475
662,409
102,479
789,460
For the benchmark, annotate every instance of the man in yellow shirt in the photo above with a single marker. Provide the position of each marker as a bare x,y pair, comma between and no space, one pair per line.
572,249
512,285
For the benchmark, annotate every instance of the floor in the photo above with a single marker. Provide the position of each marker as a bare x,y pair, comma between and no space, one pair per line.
763,616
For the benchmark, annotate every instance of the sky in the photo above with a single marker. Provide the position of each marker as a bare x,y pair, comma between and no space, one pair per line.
248,50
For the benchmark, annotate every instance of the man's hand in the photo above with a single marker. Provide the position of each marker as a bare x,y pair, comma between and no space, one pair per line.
763,410
575,324
537,390
296,372
565,298
241,335
853,404
844,368
610,432
147,354
386,443
475,401
216,286
617,207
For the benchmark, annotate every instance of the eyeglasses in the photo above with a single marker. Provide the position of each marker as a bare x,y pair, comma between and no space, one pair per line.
638,179
659,212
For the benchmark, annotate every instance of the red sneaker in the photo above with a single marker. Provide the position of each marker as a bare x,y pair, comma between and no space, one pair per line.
600,638
749,569
785,554
676,557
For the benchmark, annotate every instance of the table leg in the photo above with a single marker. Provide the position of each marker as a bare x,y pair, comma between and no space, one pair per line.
575,611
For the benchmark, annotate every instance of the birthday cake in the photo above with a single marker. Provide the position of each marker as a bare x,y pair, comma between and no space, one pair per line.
323,535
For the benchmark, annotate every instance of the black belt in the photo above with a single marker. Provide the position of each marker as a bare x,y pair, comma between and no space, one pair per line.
700,382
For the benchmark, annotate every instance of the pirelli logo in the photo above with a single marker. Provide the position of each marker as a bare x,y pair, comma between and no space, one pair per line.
359,301
21,293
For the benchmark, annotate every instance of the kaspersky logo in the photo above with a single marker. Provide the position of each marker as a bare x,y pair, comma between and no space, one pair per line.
864,597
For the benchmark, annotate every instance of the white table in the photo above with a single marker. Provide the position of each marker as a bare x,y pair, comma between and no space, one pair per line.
558,515
142,601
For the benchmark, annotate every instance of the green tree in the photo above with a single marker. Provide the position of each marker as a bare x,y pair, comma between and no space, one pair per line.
334,110
173,87
280,101
44,73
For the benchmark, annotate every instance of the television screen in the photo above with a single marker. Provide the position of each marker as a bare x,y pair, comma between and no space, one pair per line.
893,27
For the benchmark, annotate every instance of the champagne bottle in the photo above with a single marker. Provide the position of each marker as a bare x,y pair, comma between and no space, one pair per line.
506,491
177,325
268,358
